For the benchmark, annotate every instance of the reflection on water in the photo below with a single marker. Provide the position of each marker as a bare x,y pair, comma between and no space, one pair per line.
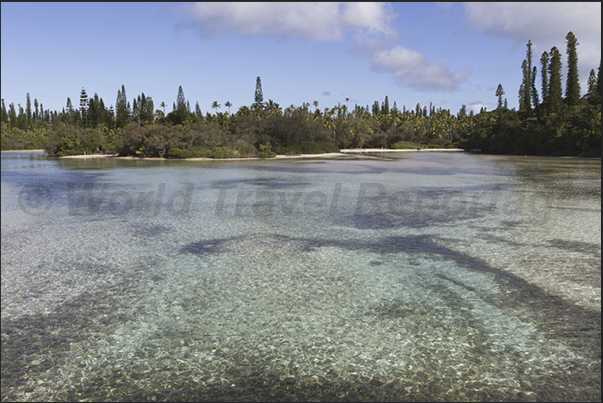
426,277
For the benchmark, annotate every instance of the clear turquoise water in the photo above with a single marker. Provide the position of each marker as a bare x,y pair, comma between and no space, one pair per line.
424,276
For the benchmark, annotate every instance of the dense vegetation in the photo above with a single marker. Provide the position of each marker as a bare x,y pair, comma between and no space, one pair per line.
548,123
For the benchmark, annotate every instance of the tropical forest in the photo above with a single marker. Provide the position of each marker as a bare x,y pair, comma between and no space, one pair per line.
554,117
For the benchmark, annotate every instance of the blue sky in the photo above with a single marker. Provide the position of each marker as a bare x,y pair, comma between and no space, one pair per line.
449,54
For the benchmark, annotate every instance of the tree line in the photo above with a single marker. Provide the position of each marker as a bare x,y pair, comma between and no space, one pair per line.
548,122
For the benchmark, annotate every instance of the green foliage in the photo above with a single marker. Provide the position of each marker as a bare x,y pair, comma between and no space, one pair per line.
307,147
223,152
17,139
181,116
572,91
266,151
244,149
258,97
443,143
265,129
408,145
73,140
176,152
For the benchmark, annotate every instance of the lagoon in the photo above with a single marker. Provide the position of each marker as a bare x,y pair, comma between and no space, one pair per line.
414,276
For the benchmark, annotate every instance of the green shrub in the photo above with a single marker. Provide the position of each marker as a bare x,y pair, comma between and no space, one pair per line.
266,151
307,147
442,143
196,152
17,139
176,152
404,145
223,152
245,149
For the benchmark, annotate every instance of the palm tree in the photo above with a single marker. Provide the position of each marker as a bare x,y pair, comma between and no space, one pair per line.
228,105
244,111
273,108
215,105
289,110
346,106
162,104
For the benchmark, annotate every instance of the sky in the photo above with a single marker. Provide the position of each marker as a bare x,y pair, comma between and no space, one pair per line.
446,54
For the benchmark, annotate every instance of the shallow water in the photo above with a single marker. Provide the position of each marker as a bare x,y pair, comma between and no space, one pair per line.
424,276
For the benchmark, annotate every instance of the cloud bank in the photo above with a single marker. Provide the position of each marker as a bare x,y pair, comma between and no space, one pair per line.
411,69
545,24
369,23
318,21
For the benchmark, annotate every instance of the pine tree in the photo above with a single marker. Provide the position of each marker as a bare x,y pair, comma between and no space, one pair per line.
150,109
595,95
259,95
28,109
534,91
36,115
499,93
21,118
522,88
102,113
555,87
69,115
122,109
463,111
592,84
4,113
525,103
110,116
12,115
180,101
544,63
572,89
92,114
599,78
83,99
84,106
135,114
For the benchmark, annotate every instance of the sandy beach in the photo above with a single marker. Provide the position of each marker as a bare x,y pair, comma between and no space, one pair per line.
391,150
345,153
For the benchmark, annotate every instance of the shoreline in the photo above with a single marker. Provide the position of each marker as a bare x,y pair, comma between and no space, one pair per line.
343,153
395,150
21,151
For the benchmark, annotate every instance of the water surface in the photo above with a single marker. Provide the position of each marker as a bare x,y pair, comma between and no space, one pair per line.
423,276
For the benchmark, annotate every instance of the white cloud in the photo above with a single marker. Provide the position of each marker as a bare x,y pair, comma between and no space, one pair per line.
370,24
313,21
545,24
411,69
